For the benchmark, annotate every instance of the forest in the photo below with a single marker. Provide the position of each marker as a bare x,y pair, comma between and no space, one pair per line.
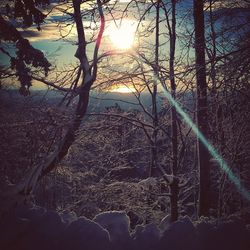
125,124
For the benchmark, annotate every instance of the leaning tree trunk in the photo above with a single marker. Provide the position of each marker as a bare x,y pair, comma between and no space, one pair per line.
85,86
89,77
17,193
201,104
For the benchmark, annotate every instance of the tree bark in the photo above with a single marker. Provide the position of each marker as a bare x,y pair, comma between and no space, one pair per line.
201,105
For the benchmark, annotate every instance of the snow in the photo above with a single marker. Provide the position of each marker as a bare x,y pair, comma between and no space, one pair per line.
180,235
117,223
165,223
146,237
84,234
36,228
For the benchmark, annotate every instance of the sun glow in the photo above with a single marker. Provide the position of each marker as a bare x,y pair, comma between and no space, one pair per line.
122,34
122,89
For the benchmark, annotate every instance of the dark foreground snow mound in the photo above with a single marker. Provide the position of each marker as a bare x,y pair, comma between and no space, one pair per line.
38,229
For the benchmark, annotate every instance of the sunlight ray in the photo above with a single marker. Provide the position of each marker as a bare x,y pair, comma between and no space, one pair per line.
221,162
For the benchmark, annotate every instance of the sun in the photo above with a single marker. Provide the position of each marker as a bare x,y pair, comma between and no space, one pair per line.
122,35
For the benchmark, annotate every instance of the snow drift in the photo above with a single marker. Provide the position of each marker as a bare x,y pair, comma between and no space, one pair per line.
37,228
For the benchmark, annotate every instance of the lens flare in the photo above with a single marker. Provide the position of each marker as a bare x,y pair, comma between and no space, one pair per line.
221,162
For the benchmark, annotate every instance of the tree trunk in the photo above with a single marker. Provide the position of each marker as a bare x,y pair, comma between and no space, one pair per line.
83,100
153,167
203,156
89,75
174,136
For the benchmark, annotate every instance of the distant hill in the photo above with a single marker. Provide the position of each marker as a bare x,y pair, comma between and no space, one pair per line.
99,102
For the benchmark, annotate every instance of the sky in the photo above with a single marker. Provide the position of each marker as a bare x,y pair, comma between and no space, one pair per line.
60,52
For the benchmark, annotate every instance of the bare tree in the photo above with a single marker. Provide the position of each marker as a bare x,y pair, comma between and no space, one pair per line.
202,121
86,76
174,135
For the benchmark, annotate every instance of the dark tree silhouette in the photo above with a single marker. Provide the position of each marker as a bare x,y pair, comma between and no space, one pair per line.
202,121
26,54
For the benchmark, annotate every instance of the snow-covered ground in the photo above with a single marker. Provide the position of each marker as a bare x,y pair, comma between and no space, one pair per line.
36,228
